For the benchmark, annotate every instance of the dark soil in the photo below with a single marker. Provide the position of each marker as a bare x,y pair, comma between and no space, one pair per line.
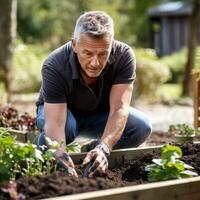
163,137
159,138
128,173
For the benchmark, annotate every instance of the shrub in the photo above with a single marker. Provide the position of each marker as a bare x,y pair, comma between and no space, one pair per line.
176,63
27,62
151,73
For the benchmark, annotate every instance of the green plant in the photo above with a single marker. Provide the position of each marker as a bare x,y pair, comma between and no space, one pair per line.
21,159
73,147
169,166
176,63
27,62
151,73
183,130
25,159
10,117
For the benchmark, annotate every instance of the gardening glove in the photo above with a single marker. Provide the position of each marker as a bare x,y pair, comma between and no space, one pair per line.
65,163
96,160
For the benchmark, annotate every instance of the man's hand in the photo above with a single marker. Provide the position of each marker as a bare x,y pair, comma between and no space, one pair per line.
97,160
65,163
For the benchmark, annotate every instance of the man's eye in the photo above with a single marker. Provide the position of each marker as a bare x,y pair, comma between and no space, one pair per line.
88,53
103,54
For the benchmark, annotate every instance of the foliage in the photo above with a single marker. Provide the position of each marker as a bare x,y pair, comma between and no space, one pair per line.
169,166
24,159
49,21
17,159
183,129
73,147
176,63
9,117
27,62
151,73
169,93
138,22
52,22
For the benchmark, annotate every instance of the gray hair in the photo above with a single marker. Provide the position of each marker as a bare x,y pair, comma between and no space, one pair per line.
95,23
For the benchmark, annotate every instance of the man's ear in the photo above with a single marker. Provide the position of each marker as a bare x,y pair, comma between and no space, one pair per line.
74,45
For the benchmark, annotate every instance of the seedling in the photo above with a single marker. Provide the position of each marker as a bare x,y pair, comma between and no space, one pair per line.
18,159
183,132
73,147
169,166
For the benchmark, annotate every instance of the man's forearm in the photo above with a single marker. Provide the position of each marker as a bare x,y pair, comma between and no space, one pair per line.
114,127
55,119
56,134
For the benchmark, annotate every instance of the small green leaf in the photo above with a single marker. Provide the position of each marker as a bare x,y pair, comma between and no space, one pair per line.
169,166
73,147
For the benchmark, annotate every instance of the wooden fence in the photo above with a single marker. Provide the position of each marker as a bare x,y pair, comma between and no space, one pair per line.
196,96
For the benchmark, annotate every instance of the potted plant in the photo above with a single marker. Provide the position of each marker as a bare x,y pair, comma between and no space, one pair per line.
183,132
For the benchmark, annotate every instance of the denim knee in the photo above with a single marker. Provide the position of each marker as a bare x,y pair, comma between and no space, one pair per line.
146,129
40,118
138,128
40,140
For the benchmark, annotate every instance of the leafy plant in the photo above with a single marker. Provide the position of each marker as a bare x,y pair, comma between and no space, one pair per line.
183,130
149,68
9,117
73,147
17,159
169,166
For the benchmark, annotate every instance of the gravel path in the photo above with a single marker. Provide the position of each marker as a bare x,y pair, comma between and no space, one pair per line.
162,116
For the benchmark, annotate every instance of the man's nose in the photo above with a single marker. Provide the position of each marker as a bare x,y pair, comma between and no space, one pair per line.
95,61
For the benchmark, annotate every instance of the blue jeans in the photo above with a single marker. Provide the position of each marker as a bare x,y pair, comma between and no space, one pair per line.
136,131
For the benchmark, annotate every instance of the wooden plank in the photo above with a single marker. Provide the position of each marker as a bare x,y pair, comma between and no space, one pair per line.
183,189
196,99
198,103
22,136
117,156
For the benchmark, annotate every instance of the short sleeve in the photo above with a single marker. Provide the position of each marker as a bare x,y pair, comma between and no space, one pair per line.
126,66
53,86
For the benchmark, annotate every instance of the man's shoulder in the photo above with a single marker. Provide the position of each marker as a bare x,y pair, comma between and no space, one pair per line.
120,46
59,55
122,50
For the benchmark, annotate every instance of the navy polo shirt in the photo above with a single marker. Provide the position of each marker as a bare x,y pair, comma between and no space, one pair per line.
62,81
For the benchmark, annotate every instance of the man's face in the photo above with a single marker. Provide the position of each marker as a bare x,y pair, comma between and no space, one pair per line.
92,53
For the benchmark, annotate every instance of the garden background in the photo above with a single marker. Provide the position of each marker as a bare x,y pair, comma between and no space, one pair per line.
30,30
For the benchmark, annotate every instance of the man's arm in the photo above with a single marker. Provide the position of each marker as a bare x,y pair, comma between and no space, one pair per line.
55,120
120,98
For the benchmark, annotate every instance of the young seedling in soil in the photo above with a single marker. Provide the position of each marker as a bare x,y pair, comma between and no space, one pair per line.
169,166
25,159
183,132
73,147
123,173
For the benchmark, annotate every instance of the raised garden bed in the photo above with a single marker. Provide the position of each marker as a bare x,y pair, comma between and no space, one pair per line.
126,172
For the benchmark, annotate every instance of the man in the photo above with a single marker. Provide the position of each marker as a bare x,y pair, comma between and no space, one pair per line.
86,89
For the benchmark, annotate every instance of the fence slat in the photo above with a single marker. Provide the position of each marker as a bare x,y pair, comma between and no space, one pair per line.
196,99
